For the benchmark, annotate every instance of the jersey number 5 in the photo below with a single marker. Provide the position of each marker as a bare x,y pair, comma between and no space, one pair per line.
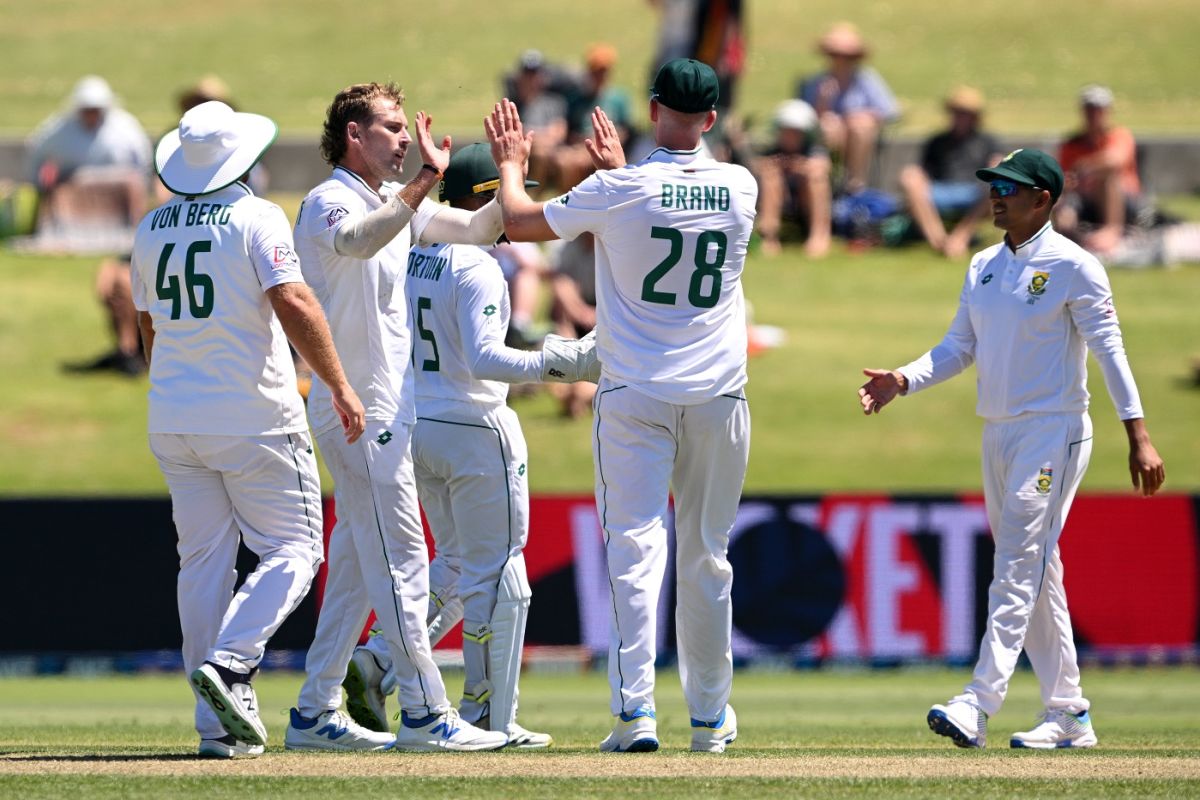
429,364
709,257
167,286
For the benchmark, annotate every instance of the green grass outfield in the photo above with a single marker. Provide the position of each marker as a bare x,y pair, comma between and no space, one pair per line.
68,434
827,734
287,58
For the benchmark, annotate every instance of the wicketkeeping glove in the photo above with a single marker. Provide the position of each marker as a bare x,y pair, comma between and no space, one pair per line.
570,360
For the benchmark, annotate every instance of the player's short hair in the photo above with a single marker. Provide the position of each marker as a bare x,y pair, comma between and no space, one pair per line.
352,104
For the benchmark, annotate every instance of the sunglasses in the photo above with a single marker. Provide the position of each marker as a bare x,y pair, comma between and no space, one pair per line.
1006,188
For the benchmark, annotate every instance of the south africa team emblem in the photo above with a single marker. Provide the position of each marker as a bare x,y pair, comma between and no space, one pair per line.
1044,480
1037,284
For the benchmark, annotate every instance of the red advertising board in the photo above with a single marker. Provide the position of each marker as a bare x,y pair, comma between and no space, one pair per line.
883,577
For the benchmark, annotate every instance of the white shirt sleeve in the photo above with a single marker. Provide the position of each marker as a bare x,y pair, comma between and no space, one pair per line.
136,285
1091,305
481,291
364,235
583,209
272,250
459,226
949,357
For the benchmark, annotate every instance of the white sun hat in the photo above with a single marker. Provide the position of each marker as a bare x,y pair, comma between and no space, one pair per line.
213,147
795,114
92,91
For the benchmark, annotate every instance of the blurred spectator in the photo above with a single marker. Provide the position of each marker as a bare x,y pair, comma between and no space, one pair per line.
542,111
90,164
706,30
524,268
1103,192
943,186
574,310
793,180
852,103
571,160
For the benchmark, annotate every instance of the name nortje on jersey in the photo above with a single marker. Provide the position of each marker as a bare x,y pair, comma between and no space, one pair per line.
695,197
197,214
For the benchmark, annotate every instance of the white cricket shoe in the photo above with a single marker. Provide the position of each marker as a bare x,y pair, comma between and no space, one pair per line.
445,732
235,704
634,732
332,730
963,723
1057,729
364,699
228,747
519,738
711,737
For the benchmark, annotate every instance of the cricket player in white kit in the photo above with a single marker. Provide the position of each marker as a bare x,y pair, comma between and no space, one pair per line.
670,410
471,464
217,286
1030,310
353,234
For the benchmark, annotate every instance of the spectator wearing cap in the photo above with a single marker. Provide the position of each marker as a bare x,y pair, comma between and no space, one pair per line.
943,186
852,102
90,164
590,91
1104,192
545,112
793,180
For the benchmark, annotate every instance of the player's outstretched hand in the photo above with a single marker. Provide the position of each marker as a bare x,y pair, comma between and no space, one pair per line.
605,149
506,135
431,154
1146,468
350,410
882,388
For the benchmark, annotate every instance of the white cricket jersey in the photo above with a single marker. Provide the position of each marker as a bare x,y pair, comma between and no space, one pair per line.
459,304
221,363
363,299
671,235
1028,318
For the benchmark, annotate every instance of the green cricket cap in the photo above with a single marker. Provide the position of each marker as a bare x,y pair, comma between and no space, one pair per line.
1029,167
686,85
471,171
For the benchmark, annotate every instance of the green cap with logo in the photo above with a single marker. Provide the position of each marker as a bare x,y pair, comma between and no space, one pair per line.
471,171
686,85
1029,167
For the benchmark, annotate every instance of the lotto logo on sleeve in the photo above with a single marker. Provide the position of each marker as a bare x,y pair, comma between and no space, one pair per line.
334,216
283,256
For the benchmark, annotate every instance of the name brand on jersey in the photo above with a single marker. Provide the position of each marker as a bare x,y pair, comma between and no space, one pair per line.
197,214
427,267
695,198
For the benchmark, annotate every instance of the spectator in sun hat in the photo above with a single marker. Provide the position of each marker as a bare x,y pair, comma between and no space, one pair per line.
793,180
942,187
1104,192
852,102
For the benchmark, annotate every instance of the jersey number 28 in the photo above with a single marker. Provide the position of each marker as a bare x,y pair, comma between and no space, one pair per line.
709,257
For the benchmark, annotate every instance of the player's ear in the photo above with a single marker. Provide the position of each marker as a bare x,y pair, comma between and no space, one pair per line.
352,130
710,119
653,110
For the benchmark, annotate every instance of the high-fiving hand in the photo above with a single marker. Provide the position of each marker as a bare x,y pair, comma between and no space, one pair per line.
506,135
431,154
605,149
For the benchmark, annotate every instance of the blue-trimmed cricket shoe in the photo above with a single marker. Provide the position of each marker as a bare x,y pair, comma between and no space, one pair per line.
634,732
711,737
1058,729
962,723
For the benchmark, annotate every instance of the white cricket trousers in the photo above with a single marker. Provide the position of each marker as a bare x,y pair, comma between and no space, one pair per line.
471,478
1032,467
643,449
377,559
267,488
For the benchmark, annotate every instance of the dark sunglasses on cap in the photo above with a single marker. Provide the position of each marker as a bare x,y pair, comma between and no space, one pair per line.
1007,188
